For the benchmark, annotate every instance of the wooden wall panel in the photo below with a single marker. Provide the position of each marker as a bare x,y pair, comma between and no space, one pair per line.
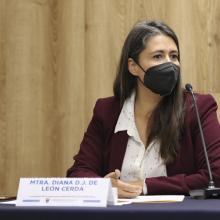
58,56
213,70
3,143
43,71
71,82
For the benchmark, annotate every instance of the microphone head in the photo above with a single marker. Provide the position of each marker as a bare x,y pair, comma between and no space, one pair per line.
188,87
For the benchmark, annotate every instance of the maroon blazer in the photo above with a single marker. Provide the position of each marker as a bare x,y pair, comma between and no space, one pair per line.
102,151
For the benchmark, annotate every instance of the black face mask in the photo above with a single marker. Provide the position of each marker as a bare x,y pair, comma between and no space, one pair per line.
161,79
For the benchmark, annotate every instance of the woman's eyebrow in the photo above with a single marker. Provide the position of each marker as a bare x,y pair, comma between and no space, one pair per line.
162,51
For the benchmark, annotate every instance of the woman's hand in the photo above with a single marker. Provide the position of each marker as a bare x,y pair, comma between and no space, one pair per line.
125,190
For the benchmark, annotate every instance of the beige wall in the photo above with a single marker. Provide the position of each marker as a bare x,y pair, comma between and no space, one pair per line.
58,56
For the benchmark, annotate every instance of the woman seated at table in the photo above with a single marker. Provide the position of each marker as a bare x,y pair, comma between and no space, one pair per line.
146,137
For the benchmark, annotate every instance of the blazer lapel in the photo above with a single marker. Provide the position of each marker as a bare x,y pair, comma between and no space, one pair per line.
117,147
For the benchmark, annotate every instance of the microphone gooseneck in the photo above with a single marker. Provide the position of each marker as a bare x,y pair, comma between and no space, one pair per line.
211,191
189,88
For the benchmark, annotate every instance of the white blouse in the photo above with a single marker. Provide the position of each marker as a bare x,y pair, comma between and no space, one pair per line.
139,163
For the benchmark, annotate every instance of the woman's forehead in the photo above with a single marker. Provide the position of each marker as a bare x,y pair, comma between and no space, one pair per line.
161,42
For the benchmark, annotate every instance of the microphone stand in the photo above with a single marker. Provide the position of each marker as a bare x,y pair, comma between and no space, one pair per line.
211,191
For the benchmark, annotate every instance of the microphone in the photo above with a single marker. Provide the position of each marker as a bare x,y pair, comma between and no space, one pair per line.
211,191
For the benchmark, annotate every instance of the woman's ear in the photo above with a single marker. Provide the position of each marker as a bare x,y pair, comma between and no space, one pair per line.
132,67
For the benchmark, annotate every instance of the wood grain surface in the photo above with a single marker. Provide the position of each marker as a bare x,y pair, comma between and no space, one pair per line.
58,56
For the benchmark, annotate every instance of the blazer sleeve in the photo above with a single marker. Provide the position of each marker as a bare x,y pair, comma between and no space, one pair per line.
89,160
183,183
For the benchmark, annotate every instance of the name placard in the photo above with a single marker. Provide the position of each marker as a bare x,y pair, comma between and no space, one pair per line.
94,192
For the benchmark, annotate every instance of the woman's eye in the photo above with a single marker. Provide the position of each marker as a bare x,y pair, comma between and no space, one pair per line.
174,57
157,56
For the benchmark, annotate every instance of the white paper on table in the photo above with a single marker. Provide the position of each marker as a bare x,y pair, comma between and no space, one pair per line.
10,202
153,199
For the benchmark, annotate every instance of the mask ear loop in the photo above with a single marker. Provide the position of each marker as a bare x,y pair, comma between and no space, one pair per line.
141,69
140,66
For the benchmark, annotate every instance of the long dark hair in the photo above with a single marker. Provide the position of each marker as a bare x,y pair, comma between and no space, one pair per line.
166,121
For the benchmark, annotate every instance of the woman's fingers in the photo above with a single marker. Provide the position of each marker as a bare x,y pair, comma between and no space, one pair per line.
126,187
125,194
125,190
129,187
115,175
110,175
